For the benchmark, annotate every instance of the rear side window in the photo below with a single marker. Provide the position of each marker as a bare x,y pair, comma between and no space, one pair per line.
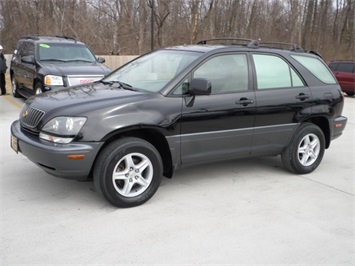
27,48
346,67
274,72
316,67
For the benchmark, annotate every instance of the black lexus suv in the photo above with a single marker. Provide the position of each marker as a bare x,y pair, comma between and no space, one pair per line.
41,63
181,106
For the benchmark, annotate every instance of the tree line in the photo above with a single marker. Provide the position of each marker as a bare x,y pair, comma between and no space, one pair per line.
132,27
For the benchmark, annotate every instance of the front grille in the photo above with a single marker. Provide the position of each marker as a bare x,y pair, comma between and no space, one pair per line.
81,79
31,117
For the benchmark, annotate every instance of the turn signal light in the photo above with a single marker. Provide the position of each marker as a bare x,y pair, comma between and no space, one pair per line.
76,156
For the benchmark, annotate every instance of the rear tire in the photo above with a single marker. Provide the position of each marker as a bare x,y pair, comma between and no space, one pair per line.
128,172
305,151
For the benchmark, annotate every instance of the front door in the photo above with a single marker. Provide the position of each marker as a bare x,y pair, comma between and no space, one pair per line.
27,71
219,126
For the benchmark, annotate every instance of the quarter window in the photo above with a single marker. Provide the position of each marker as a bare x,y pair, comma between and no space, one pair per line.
316,67
273,72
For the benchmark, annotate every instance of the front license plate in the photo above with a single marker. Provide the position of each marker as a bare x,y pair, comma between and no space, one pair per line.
14,143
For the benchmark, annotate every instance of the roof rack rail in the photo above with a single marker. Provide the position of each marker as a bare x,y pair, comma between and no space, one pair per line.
37,36
31,36
67,37
255,44
225,39
314,52
294,47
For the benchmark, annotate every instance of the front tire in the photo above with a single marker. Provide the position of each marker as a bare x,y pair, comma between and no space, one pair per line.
14,84
305,151
128,172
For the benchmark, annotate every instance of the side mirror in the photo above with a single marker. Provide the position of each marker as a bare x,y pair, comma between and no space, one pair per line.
200,86
29,59
100,60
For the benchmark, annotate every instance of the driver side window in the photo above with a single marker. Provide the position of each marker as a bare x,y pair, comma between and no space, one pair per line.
227,73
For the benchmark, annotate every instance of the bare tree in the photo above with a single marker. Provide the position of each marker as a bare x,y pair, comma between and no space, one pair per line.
123,26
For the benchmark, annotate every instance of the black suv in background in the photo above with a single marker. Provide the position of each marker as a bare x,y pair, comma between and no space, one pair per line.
182,106
42,63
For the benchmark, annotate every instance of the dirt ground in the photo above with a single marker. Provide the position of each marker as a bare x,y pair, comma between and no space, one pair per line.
8,83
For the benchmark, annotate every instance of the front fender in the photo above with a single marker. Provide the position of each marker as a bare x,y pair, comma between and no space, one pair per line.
163,115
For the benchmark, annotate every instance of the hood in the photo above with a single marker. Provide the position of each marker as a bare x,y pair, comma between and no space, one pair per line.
75,68
80,99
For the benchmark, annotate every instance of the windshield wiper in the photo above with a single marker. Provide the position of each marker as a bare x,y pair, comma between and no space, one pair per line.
80,60
122,85
58,60
103,82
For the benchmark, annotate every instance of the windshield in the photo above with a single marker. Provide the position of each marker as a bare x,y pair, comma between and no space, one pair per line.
65,52
153,71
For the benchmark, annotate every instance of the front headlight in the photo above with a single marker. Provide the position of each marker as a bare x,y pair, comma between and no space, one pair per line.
62,129
53,80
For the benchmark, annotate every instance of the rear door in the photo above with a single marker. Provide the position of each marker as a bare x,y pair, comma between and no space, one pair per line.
281,96
16,65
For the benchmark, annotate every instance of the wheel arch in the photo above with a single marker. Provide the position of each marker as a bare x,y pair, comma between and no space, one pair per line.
323,123
35,81
151,135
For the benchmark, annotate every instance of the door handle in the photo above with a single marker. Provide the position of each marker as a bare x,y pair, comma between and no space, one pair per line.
302,96
244,101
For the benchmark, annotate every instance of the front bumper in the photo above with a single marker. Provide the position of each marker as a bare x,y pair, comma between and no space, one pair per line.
53,158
